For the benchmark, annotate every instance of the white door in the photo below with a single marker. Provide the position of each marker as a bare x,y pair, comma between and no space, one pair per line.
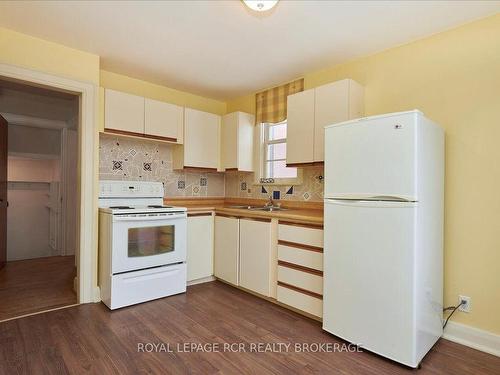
123,112
201,139
227,249
300,128
255,256
200,246
163,121
331,105
369,295
230,140
246,129
372,157
335,102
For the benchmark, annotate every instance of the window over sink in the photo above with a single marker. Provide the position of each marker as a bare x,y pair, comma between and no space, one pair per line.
273,169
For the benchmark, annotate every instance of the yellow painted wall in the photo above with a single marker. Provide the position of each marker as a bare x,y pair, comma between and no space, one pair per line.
454,78
38,54
244,103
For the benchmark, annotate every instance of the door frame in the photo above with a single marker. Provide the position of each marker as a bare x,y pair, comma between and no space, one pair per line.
86,286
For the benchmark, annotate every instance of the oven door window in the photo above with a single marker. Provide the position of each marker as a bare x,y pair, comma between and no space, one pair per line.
143,242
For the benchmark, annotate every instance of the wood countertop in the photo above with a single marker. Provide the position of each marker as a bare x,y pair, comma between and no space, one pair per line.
300,215
301,212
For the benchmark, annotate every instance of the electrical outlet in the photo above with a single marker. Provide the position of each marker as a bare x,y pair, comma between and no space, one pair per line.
466,307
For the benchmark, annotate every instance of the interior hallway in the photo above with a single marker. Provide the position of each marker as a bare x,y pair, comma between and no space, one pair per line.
33,285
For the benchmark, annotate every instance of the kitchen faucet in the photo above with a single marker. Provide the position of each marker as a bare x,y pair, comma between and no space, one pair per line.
270,202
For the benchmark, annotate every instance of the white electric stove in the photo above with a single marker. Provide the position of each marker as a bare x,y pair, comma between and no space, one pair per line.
142,243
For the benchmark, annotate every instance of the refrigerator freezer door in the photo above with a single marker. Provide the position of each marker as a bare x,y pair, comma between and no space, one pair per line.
369,276
372,157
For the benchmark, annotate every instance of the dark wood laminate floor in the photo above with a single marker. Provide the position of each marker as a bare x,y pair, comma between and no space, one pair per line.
91,339
33,285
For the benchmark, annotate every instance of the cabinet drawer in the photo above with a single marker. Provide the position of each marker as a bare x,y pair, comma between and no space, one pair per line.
300,235
303,280
301,301
302,257
139,286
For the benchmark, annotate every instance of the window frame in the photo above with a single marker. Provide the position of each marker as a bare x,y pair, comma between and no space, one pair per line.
263,142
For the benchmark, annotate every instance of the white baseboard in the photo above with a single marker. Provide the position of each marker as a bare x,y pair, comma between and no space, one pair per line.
200,281
473,337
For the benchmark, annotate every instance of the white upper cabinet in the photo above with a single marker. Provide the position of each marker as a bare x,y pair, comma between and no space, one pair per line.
201,147
123,113
237,141
142,117
300,128
335,102
163,121
311,110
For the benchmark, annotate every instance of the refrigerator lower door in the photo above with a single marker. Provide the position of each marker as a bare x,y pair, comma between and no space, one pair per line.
369,278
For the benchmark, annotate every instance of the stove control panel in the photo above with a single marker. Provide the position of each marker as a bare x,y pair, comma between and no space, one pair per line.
128,189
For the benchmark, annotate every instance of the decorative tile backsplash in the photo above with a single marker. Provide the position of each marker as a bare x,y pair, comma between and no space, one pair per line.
239,185
123,158
133,159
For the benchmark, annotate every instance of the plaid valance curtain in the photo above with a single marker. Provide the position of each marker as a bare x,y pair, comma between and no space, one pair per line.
270,105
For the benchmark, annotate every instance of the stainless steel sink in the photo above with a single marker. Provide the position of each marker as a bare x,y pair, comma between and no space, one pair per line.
259,208
269,209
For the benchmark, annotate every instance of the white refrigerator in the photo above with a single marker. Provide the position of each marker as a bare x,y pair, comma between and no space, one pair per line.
383,251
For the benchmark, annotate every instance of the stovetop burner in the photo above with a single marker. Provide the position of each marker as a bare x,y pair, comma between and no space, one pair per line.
120,207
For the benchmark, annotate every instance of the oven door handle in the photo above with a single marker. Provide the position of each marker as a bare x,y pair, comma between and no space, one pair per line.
148,218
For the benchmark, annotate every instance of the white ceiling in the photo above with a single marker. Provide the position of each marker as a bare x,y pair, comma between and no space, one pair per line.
222,50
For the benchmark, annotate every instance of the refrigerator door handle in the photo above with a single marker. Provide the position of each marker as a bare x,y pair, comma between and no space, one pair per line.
369,197
370,203
391,198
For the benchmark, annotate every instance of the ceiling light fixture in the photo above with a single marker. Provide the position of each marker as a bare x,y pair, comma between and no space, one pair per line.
260,5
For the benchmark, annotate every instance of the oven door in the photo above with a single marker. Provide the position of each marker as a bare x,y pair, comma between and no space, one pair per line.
148,240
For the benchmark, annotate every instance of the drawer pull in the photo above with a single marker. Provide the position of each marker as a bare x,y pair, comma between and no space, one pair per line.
300,246
196,214
303,225
300,290
300,268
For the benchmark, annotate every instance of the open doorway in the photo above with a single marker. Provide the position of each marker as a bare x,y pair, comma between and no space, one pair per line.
38,221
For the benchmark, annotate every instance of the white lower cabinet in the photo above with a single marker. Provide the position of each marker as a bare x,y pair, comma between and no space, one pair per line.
200,246
226,251
256,256
285,263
